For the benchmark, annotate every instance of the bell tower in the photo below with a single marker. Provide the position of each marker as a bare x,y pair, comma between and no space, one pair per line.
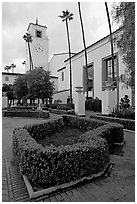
39,46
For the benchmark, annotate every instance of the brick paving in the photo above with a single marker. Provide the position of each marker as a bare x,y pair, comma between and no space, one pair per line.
119,186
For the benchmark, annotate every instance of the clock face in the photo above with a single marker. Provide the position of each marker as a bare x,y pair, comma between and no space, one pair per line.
39,48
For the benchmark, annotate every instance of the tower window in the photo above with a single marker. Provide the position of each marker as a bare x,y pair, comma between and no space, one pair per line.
38,34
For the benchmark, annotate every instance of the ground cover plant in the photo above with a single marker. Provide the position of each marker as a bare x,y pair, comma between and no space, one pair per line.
69,160
67,136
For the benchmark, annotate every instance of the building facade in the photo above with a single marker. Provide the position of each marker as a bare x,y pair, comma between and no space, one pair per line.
100,73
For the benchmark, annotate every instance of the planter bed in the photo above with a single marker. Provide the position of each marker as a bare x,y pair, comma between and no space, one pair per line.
53,166
127,123
26,113
57,111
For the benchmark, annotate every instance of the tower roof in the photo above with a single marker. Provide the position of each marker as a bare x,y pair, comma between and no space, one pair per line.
36,25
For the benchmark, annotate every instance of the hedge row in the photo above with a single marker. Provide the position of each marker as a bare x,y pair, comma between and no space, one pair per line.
57,111
62,106
127,123
50,165
26,113
21,108
112,132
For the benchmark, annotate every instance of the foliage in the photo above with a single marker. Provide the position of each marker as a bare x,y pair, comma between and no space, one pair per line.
26,113
39,83
93,104
28,39
57,111
125,110
34,84
127,123
83,124
62,106
20,87
125,102
52,165
124,14
9,90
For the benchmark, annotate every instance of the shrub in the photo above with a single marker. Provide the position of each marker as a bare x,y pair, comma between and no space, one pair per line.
93,104
127,123
62,106
56,165
52,165
124,113
26,113
125,110
57,111
37,131
82,123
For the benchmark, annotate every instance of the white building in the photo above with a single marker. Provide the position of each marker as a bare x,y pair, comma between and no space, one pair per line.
99,73
9,78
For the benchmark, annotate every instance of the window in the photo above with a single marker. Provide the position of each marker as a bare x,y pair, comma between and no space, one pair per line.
62,76
38,34
90,72
107,72
89,85
6,78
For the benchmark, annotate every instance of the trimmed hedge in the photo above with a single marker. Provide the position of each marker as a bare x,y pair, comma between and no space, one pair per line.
127,123
57,111
26,113
93,104
62,106
50,165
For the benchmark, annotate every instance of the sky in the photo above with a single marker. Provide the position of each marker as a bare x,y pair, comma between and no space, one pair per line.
16,17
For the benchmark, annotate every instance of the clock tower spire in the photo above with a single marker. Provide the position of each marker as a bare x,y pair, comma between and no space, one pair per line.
36,21
39,46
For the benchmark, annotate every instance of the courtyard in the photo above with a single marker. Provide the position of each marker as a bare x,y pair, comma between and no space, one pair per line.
117,186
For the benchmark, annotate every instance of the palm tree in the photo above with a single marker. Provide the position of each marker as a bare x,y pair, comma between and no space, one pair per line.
7,68
67,16
28,39
13,67
84,42
112,54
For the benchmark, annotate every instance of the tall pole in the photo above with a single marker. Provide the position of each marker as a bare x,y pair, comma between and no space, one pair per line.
86,60
112,54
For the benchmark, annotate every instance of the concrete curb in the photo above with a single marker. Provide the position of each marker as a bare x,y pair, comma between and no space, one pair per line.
33,194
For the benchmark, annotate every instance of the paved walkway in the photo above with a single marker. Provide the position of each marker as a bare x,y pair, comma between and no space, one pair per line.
119,186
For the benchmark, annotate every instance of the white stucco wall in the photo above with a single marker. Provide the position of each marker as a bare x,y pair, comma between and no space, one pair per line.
61,96
11,77
57,62
95,54
40,59
54,80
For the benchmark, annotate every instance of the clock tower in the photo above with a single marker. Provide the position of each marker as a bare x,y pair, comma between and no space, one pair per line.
39,46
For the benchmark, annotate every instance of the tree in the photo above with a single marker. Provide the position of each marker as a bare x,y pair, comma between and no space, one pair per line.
7,68
20,87
84,42
8,89
28,39
40,85
67,16
13,67
124,14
